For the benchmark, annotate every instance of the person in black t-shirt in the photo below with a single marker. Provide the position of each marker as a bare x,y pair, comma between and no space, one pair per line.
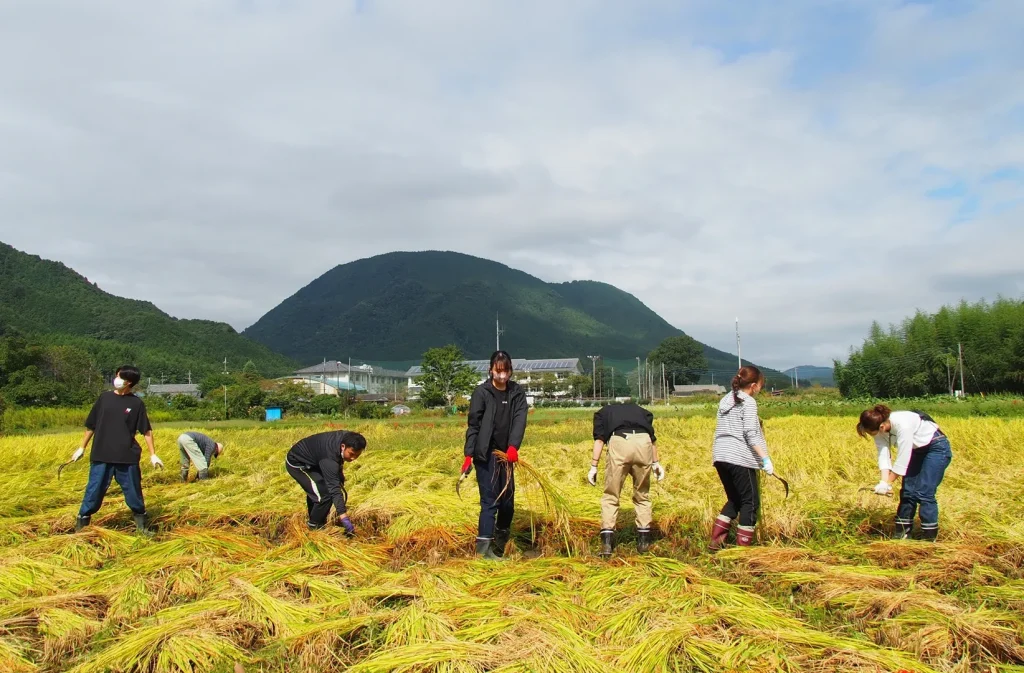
628,430
496,420
317,464
115,419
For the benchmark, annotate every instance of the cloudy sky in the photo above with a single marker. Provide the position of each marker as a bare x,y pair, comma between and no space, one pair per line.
806,165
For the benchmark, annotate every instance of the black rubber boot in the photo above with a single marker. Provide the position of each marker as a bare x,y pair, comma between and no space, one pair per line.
929,532
643,540
81,522
142,524
204,474
607,543
501,537
483,549
184,474
902,529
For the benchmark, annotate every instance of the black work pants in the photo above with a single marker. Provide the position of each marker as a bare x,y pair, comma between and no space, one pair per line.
741,488
490,477
318,501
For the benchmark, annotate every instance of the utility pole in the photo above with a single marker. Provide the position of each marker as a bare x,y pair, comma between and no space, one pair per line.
796,376
639,392
593,371
225,402
739,356
664,387
960,355
648,380
613,382
225,365
949,379
190,376
497,333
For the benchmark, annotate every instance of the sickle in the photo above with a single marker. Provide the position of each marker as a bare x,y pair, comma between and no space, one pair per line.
784,483
61,468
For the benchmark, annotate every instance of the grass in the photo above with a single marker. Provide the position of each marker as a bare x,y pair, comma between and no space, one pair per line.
233,576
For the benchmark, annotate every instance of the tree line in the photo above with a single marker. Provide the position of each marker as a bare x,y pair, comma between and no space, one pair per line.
446,377
922,355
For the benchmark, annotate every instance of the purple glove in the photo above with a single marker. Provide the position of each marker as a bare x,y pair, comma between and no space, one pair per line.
346,522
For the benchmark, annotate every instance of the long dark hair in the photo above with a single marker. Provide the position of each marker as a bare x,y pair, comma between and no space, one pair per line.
747,376
871,419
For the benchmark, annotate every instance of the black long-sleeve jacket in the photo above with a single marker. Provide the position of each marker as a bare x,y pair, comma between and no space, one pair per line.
482,406
322,453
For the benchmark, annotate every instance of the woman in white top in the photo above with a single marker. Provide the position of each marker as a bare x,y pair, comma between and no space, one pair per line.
738,453
922,455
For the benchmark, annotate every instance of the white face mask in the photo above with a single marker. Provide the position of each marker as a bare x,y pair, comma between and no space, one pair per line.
119,383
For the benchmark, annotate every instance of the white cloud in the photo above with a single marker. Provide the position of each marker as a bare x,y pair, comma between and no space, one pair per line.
770,163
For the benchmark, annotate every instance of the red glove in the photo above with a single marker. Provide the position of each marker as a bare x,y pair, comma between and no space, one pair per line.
466,464
512,454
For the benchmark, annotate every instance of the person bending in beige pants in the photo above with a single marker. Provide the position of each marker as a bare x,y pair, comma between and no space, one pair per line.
628,430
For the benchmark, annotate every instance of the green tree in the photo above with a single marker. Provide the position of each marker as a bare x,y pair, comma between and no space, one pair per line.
683,357
611,384
250,372
326,405
548,384
580,385
445,376
918,356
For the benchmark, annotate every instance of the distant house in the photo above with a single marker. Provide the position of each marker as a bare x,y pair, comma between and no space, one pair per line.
333,377
699,389
171,389
527,372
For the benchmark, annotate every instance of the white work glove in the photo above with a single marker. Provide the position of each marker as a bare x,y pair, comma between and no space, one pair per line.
767,465
658,470
592,475
883,488
77,455
155,461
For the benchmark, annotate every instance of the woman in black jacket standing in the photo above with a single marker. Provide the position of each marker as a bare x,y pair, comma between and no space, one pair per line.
496,420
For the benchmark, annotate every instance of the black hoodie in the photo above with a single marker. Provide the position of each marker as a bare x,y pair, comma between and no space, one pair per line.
482,407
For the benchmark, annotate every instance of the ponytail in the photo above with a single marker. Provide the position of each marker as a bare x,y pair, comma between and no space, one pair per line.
747,376
871,419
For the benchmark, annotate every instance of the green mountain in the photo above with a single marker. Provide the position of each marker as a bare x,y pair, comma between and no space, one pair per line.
57,305
811,374
395,306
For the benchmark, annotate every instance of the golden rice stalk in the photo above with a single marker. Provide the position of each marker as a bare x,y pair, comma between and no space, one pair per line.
556,505
428,657
131,602
417,624
63,632
14,659
141,648
274,616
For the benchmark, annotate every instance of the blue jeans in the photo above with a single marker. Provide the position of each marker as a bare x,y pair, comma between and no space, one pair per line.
490,477
129,477
924,474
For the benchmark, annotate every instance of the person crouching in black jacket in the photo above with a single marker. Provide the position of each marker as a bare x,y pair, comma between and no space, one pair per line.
496,420
317,464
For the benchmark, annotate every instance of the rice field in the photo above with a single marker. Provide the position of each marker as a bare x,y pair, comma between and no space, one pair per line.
233,580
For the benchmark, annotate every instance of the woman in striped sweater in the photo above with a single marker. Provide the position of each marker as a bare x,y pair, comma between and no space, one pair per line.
738,453
922,456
